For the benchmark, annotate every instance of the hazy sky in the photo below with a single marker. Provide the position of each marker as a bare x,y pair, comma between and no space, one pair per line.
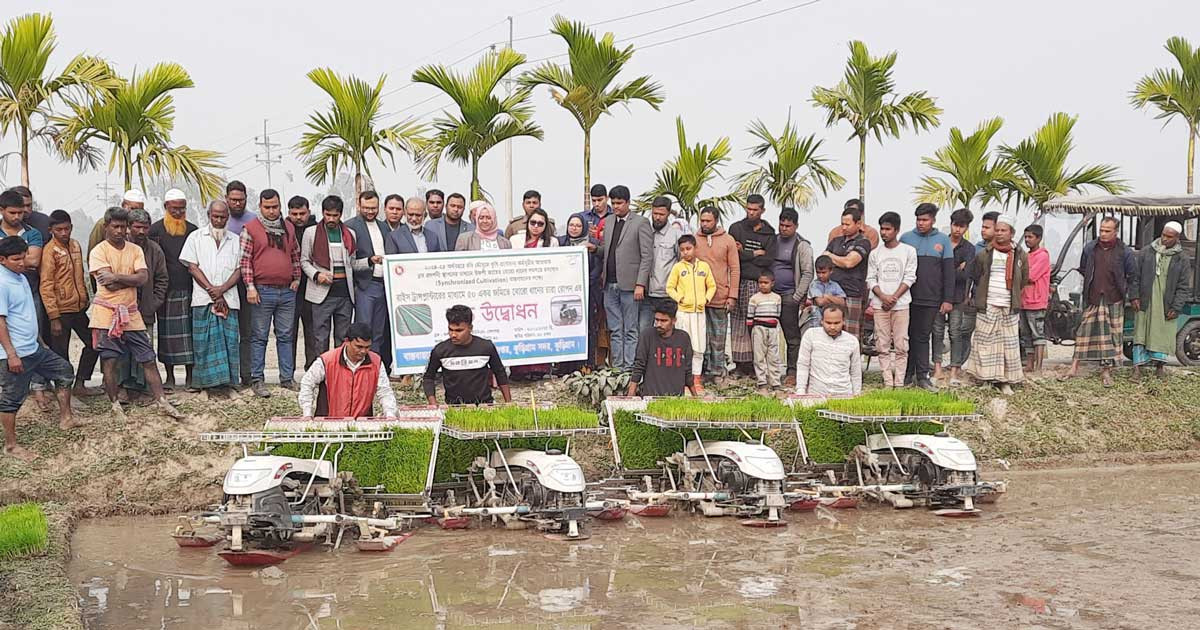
1020,59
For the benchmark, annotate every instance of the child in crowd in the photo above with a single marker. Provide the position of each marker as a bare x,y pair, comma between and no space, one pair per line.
1035,298
823,291
762,316
692,286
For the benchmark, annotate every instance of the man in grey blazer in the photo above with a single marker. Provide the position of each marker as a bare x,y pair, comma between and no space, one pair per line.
415,236
370,303
327,260
451,224
628,253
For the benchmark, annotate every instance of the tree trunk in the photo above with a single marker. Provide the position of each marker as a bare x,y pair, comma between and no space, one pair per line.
475,192
358,187
1191,165
128,175
862,169
25,157
587,168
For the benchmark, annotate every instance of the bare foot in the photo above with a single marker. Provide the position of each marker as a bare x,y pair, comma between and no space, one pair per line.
1106,379
67,424
79,390
118,412
20,453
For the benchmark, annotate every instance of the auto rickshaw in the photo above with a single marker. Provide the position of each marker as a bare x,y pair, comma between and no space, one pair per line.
1141,221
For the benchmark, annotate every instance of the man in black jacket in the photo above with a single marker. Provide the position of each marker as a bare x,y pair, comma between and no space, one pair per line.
932,295
1108,269
755,240
302,219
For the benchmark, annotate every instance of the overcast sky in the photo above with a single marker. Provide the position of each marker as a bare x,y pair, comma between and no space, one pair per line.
1020,60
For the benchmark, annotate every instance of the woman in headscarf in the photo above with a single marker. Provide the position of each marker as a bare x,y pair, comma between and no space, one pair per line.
487,233
535,233
577,236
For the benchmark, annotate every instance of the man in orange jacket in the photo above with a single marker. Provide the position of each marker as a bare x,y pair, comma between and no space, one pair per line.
346,381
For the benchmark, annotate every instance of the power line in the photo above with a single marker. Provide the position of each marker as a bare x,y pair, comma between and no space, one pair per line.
610,20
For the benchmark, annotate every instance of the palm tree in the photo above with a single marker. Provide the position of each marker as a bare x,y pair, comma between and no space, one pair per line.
349,132
28,91
137,119
484,120
685,177
972,174
866,98
585,87
1039,165
1175,92
795,171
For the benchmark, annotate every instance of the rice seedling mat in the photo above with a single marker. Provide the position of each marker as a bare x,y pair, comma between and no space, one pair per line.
409,417
295,437
463,434
840,416
711,424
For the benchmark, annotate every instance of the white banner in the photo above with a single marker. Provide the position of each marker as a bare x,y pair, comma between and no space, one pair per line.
532,303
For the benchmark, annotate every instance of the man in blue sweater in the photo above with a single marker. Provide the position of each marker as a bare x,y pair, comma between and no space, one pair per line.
932,293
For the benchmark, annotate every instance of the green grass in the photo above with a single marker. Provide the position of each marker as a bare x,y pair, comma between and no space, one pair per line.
400,464
519,418
23,531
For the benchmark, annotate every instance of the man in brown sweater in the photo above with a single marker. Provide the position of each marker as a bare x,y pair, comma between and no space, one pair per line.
719,250
65,296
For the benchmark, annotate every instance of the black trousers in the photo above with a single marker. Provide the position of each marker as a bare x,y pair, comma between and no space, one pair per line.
304,316
920,338
61,344
245,333
789,321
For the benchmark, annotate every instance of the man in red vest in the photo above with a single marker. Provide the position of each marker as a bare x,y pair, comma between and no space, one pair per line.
345,382
271,272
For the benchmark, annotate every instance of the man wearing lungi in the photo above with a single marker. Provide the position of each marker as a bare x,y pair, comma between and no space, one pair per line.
1108,267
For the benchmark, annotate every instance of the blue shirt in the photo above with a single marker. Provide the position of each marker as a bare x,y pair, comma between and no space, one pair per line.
16,306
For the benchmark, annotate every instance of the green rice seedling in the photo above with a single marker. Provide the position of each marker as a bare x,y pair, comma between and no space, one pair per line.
400,464
865,406
916,402
516,418
455,456
753,408
23,531
643,445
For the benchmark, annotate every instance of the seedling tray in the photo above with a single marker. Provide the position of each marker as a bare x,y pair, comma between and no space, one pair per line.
839,416
712,424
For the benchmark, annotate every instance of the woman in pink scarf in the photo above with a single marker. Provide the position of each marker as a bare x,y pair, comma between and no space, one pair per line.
487,233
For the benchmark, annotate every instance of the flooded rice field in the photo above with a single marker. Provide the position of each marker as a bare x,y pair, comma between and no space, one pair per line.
1109,547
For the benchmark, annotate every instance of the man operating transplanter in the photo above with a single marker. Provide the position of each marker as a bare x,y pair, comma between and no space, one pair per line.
467,364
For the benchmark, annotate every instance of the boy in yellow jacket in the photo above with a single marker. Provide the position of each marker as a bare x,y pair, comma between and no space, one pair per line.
692,286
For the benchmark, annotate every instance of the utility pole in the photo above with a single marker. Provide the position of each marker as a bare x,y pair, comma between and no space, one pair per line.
103,197
267,160
508,162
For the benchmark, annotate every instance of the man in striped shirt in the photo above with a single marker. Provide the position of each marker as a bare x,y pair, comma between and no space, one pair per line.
762,316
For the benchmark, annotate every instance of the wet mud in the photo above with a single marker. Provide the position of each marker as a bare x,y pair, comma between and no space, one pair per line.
1110,548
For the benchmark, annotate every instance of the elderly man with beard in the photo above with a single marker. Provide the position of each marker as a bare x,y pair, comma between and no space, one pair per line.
1000,272
150,297
1160,288
1108,268
117,326
175,315
270,264
213,256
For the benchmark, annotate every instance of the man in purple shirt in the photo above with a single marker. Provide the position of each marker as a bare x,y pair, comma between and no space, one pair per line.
239,216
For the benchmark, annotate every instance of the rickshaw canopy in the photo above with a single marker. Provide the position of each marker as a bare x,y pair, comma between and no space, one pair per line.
1133,206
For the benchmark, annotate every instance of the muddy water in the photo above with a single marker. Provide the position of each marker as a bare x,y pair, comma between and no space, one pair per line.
1114,547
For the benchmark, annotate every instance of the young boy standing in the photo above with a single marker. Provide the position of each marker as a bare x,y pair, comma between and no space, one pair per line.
22,356
65,296
692,286
891,271
762,316
1035,298
823,291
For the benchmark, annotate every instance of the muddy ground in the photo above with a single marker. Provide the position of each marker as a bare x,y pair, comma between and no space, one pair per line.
1080,548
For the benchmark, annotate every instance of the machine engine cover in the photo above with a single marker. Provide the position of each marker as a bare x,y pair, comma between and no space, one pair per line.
945,452
555,472
257,473
756,460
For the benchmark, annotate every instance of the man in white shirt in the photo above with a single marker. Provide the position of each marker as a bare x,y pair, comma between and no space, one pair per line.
371,243
213,256
829,363
891,270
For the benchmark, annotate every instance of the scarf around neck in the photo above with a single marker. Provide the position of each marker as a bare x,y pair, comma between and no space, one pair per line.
1009,263
275,231
321,244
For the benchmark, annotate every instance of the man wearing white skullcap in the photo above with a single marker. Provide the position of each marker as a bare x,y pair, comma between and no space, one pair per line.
1000,272
1108,269
175,315
1158,293
132,200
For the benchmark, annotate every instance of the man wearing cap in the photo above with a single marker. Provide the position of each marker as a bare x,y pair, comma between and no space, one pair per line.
1000,272
133,200
1108,267
1160,287
175,315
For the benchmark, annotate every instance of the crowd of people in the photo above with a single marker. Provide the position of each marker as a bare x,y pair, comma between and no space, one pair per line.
662,300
